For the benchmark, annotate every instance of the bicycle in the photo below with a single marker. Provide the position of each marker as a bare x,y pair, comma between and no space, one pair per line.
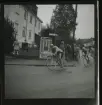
53,62
86,60
76,56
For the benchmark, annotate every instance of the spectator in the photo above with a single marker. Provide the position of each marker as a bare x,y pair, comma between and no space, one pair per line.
16,47
67,51
76,51
62,47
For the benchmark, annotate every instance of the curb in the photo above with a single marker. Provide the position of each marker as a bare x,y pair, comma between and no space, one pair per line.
23,57
37,65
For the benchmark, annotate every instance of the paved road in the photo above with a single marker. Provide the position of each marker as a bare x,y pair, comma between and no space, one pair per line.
39,82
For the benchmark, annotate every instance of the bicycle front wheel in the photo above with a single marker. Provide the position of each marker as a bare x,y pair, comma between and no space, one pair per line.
52,64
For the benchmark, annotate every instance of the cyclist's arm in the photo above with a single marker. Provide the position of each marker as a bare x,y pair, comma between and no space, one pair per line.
55,53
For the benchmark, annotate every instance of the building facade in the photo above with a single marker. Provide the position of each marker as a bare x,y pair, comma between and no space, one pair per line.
25,21
38,26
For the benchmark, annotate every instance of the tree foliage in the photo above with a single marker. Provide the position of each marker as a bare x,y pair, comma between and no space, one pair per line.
63,20
46,30
9,36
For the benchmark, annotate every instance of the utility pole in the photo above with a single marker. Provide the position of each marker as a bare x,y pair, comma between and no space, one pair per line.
74,29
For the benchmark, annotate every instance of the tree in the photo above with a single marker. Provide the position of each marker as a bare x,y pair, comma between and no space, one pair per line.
63,21
9,36
46,30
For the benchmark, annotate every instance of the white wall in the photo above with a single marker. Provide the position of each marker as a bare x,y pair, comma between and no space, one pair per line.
37,29
85,20
30,26
10,11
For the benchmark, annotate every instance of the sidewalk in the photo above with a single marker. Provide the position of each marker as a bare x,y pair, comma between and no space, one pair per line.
27,62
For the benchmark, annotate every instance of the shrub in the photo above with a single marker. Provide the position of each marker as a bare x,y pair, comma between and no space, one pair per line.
9,36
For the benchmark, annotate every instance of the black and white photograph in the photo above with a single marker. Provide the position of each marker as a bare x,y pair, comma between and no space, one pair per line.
49,51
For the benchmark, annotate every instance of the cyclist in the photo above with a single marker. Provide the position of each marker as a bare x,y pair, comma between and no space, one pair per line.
92,52
85,52
57,52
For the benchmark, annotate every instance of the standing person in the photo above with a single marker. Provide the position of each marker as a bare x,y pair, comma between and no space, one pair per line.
76,52
62,47
16,47
68,51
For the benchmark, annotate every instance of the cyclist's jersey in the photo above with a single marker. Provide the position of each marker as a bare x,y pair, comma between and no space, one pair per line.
55,49
84,50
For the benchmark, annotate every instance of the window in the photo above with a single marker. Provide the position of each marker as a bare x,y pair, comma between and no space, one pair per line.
29,34
23,32
17,9
16,26
30,19
25,14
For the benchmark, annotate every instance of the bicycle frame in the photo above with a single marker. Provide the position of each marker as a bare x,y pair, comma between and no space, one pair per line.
53,58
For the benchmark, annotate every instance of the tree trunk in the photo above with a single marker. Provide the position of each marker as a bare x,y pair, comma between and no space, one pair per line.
74,30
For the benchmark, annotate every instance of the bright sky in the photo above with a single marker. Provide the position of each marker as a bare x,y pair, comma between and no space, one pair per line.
45,13
85,19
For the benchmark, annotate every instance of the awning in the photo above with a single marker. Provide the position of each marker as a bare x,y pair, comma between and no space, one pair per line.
52,34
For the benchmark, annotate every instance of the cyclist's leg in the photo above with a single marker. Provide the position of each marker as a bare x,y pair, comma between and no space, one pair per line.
84,58
52,60
17,52
59,58
87,58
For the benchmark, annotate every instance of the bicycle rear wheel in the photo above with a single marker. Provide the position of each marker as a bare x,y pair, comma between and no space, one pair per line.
84,61
52,64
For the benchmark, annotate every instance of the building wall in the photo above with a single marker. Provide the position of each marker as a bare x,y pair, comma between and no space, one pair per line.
31,26
16,14
38,28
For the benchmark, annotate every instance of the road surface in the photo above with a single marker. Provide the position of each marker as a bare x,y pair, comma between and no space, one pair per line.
39,82
23,81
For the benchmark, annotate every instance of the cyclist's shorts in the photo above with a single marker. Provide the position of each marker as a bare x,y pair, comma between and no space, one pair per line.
85,52
58,53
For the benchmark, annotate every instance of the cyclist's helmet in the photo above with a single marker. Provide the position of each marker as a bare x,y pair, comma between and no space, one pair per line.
51,45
